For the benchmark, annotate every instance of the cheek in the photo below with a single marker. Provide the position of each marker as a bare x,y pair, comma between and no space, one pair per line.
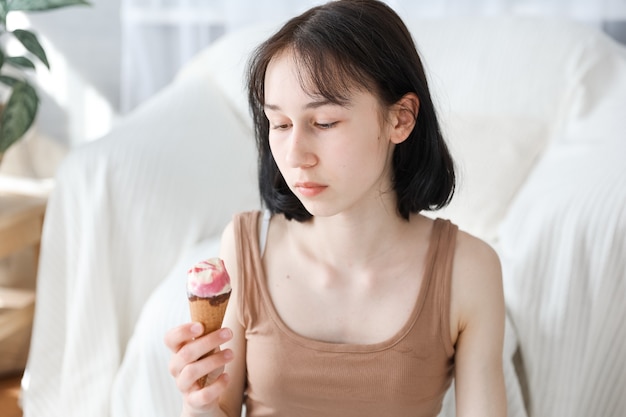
278,153
274,150
376,145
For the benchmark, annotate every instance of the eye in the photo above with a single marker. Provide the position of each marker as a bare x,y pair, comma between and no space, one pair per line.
283,126
326,125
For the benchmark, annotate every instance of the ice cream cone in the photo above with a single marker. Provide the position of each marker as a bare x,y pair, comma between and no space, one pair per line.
207,312
210,314
208,291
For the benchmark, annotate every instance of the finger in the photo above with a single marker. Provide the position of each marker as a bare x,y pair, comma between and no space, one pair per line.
203,398
201,346
211,366
175,338
195,349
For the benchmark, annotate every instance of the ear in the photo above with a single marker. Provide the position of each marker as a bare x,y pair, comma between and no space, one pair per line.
403,116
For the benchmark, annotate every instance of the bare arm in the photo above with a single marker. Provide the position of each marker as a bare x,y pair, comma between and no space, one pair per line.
479,313
223,396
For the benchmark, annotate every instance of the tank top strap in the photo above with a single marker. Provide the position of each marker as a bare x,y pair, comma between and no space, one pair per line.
445,234
246,230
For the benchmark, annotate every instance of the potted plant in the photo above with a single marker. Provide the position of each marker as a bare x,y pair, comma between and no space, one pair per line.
19,108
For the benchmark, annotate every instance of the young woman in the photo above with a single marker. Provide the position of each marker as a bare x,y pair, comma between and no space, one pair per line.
346,300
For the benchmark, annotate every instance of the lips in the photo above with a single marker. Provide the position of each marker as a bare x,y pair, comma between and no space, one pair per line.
309,189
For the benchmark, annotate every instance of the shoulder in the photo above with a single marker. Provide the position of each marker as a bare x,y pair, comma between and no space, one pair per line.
241,223
476,280
475,258
228,251
238,221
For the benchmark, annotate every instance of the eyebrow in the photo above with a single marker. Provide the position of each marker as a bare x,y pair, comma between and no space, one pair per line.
310,105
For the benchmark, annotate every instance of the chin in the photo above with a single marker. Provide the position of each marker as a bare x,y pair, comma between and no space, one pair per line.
320,210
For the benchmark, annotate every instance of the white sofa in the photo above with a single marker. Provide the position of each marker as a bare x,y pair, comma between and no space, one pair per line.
535,111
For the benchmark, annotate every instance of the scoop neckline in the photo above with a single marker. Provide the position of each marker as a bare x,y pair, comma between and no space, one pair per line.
320,345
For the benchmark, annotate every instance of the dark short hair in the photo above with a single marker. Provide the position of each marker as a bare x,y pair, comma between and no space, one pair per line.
340,46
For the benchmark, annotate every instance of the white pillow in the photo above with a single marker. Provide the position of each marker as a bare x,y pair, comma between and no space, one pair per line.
493,158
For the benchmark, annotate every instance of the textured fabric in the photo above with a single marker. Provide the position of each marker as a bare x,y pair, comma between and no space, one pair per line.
565,281
288,374
125,208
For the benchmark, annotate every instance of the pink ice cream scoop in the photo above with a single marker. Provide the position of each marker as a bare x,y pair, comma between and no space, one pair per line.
208,279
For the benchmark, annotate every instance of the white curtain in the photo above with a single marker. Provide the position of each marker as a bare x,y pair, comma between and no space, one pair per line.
159,36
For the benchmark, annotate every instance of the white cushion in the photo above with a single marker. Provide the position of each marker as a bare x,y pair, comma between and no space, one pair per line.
493,158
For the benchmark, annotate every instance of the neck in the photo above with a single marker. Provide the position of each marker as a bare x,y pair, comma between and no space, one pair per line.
354,240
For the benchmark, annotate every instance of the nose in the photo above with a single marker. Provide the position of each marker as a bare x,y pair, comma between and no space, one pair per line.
300,152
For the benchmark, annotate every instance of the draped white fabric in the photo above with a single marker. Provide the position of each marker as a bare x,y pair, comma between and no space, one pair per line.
159,36
113,231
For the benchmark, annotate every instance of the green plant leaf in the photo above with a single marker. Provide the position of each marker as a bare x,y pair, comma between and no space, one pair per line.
18,115
30,42
4,9
10,81
1,58
20,61
39,5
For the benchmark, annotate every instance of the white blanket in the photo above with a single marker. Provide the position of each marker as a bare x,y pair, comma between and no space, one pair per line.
563,250
123,212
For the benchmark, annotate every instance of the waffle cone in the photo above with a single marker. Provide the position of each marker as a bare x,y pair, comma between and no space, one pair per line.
211,316
210,313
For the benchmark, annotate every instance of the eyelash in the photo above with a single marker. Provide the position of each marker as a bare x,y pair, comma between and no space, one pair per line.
323,126
326,125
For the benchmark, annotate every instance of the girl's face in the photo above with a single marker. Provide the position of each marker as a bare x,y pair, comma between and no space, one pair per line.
334,158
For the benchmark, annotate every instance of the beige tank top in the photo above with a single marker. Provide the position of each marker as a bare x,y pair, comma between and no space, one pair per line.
294,376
